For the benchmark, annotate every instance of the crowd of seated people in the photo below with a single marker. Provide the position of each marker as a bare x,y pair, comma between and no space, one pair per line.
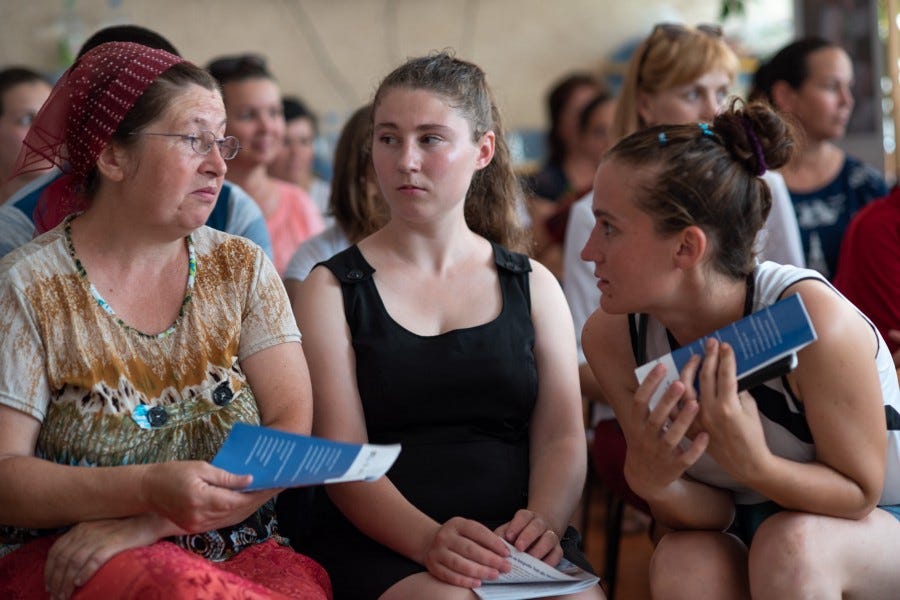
165,242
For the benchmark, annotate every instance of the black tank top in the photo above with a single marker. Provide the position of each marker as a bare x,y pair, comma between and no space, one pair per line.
459,402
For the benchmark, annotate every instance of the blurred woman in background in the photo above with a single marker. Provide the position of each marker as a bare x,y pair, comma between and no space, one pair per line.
811,80
255,117
22,93
296,160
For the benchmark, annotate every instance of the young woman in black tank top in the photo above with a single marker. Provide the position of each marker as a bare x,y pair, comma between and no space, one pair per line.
436,333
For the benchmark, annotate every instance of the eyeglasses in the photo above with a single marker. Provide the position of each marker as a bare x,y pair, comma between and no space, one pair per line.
674,31
202,143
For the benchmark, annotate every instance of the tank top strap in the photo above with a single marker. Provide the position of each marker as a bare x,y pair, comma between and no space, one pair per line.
513,269
349,266
362,304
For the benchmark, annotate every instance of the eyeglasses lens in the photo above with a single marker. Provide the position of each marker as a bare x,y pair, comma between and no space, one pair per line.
203,143
229,147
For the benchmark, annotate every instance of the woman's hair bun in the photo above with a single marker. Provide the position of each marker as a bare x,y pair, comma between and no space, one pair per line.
756,135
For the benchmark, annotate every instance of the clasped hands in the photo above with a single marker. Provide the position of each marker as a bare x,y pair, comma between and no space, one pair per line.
664,442
464,552
181,497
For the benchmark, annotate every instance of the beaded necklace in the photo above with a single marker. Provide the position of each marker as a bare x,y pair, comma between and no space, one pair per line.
192,272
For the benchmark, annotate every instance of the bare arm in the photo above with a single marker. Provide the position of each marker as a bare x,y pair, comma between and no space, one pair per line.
292,287
281,386
39,493
589,386
558,444
654,464
894,336
198,497
838,384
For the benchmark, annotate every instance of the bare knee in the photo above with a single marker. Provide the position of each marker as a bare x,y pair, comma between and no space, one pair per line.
717,563
425,586
784,561
666,563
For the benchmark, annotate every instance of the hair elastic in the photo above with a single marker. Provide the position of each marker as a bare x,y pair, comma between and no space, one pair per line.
662,138
757,147
704,127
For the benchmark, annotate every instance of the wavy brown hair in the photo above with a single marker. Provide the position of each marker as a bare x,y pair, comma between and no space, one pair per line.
494,192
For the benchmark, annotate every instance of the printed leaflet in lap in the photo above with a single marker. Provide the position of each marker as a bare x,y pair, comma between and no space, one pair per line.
533,578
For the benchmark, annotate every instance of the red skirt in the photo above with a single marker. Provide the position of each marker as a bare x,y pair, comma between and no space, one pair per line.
167,572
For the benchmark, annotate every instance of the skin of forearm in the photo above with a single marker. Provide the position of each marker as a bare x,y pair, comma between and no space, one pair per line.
692,505
558,472
41,494
590,388
813,487
379,511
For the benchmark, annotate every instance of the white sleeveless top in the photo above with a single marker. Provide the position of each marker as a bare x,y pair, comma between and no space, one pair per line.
783,419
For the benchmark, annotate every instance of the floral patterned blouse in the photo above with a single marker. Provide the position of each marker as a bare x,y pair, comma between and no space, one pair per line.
107,394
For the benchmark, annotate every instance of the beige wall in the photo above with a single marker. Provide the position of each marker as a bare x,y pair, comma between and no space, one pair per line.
524,45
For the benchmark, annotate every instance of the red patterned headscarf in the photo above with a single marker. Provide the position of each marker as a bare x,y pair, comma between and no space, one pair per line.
78,120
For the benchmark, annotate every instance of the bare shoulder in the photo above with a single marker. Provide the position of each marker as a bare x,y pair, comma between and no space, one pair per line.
840,363
317,282
544,285
541,273
317,300
606,338
837,322
607,347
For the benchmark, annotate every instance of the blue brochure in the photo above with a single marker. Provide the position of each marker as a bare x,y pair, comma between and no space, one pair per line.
278,459
765,346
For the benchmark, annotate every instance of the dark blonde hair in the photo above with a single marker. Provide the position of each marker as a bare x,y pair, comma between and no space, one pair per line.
490,206
671,56
357,212
707,175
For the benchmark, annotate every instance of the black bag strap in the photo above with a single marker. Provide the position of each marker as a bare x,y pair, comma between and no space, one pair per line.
637,328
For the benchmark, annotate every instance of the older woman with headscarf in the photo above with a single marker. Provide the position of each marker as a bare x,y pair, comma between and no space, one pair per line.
134,338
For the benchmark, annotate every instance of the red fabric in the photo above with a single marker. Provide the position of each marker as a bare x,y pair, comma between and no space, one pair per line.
557,223
608,458
79,118
868,271
165,571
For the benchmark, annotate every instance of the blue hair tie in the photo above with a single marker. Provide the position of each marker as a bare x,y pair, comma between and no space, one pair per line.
662,138
704,127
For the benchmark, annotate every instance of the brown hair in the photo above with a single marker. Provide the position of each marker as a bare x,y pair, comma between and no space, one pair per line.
357,212
706,175
790,64
671,56
559,96
490,207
